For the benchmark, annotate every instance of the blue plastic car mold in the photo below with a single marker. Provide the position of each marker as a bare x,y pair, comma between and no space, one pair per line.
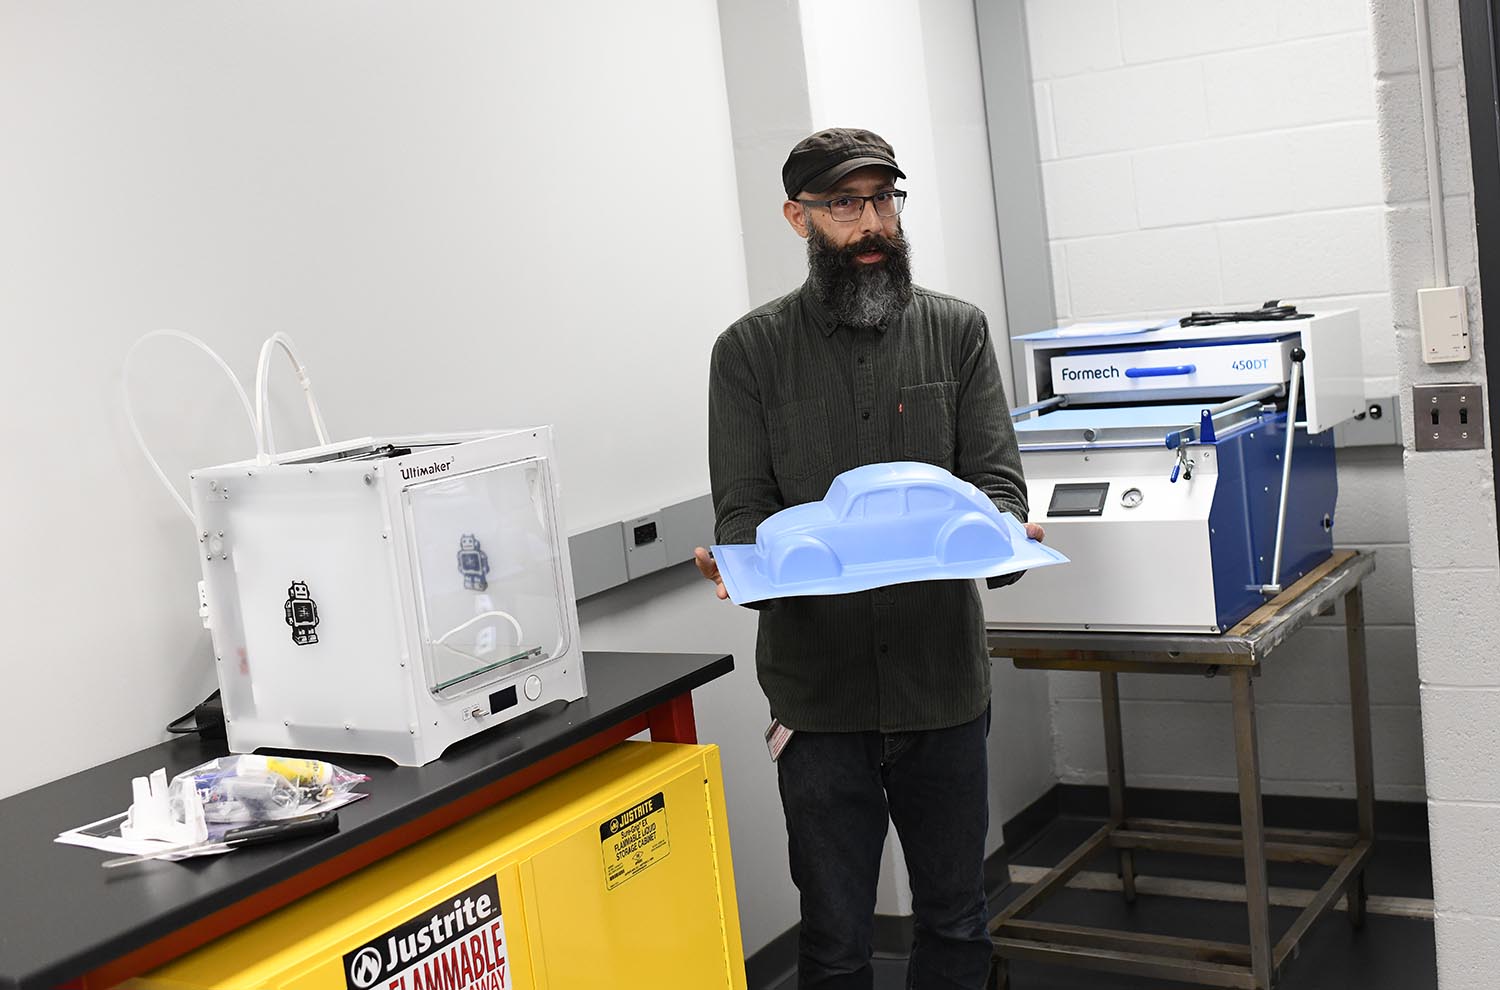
878,525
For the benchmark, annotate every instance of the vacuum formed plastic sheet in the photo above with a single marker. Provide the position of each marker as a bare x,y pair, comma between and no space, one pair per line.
880,524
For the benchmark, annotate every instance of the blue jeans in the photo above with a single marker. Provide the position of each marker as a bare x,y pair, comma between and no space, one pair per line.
838,790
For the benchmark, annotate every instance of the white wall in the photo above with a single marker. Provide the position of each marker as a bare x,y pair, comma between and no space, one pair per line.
1213,155
1451,500
769,114
1200,154
448,206
910,73
457,212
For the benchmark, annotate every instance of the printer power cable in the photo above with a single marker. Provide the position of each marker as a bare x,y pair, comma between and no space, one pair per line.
1270,310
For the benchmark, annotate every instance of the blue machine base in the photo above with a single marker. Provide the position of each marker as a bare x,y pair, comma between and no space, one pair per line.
1242,521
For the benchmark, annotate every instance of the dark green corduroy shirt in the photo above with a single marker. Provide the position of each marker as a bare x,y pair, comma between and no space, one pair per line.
795,399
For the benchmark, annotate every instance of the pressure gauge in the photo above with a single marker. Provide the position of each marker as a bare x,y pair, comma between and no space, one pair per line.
1131,498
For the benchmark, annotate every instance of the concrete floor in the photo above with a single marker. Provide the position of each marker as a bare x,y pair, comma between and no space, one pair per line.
1388,954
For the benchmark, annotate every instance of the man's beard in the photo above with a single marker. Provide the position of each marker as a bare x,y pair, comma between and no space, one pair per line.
858,294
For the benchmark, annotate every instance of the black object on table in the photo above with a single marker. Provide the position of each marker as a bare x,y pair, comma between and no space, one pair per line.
65,921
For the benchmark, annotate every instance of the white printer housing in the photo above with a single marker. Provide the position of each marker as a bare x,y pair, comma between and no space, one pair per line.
388,596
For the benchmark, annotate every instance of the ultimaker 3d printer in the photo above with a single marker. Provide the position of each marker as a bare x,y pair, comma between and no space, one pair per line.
388,596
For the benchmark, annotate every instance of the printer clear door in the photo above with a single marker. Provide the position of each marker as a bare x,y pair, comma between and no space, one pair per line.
489,581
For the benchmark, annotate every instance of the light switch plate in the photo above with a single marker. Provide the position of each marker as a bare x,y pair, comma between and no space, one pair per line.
1448,417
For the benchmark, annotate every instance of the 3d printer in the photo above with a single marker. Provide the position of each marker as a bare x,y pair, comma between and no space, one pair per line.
390,596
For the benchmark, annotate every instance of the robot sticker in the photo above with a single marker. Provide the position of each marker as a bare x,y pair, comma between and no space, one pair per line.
473,563
302,614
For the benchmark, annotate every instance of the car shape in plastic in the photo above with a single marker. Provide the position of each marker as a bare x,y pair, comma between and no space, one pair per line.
880,516
881,524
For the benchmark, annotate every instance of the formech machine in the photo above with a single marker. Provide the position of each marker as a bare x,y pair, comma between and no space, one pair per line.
1187,471
388,597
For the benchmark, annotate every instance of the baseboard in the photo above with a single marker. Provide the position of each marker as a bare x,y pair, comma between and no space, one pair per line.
1393,819
893,935
1032,820
771,964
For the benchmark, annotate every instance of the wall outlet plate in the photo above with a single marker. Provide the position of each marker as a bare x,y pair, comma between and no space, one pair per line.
645,545
1443,316
1378,426
1448,417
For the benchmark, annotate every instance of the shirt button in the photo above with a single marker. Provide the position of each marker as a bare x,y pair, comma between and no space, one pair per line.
885,648
865,414
861,360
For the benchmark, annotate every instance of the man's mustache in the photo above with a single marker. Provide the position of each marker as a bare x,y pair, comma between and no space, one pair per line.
873,242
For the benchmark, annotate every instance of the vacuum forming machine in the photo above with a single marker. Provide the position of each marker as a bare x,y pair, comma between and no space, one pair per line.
1188,471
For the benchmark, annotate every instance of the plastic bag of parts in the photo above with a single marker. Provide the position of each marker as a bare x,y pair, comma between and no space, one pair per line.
244,789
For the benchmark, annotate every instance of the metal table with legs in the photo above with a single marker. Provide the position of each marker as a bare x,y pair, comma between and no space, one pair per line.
1240,654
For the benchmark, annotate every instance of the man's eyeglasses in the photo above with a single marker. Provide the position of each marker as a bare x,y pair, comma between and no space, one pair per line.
850,208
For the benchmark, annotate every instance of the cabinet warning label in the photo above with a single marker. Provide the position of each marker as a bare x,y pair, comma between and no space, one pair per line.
635,839
456,944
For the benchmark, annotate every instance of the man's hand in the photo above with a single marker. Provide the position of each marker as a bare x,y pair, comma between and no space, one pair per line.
1033,531
709,568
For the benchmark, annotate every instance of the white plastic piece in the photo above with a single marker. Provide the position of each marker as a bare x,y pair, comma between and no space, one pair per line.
1444,316
493,613
265,436
203,603
150,815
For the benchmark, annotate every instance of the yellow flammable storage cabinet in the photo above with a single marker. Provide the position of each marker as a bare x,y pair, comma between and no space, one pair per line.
617,870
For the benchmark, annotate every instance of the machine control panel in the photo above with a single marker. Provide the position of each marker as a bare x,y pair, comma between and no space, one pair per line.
1078,500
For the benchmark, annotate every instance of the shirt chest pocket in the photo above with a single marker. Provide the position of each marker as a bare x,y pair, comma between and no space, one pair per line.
800,448
929,415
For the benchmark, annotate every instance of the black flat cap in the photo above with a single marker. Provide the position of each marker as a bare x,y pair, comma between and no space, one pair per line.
822,159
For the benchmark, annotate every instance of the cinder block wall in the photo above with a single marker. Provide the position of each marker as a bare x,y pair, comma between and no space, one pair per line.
1451,503
1208,155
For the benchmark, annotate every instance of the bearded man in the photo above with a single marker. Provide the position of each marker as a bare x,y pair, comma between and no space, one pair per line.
886,692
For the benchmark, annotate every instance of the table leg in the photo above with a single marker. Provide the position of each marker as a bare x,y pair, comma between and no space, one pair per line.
672,721
1114,754
1247,757
1364,768
1354,899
